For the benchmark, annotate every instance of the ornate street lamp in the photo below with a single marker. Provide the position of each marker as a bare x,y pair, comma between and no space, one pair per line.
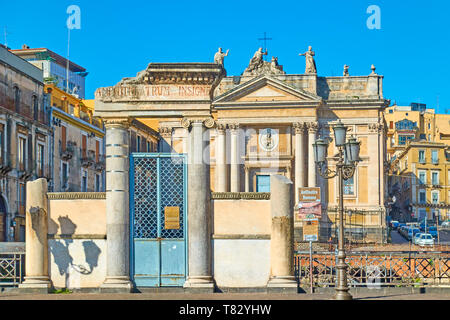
347,160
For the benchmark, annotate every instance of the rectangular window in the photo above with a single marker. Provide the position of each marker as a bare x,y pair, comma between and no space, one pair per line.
64,176
138,146
435,197
97,183
349,186
434,157
422,156
422,177
2,139
435,178
84,180
148,147
22,153
422,196
40,160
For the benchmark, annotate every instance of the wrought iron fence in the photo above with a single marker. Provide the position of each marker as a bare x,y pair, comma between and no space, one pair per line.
375,269
12,263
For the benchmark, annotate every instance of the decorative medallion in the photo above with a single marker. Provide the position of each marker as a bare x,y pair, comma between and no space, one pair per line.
268,139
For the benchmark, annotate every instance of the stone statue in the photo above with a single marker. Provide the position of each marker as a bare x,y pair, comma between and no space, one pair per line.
220,56
310,63
346,74
274,66
257,60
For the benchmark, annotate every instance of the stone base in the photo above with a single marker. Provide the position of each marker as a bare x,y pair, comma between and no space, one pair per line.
116,285
199,285
35,285
286,284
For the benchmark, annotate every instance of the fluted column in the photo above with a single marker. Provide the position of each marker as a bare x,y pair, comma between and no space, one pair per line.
247,179
299,129
234,165
117,206
199,228
312,130
221,164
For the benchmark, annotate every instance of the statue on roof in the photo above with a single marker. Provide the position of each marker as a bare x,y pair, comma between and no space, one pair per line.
310,63
220,56
258,66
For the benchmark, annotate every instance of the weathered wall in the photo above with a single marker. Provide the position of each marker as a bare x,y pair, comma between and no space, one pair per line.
241,242
77,239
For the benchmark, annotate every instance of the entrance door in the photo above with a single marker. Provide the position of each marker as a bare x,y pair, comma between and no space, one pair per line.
158,219
263,183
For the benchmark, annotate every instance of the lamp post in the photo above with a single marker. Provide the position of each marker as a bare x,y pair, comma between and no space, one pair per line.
347,160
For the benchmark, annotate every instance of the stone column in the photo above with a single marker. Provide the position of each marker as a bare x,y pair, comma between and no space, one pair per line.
199,224
299,129
221,163
234,165
282,235
312,130
117,207
36,245
247,179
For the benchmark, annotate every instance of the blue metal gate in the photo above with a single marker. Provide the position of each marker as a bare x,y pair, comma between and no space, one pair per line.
158,219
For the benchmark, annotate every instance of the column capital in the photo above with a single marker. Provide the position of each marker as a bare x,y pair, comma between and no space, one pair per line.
208,122
165,131
299,127
123,123
312,127
221,127
233,126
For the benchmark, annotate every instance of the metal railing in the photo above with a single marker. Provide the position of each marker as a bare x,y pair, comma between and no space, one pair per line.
12,263
377,268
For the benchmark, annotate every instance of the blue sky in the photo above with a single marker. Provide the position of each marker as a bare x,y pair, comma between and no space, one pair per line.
119,38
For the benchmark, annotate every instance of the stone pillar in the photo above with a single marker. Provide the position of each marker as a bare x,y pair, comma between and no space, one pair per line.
299,129
199,224
221,163
36,245
282,235
312,130
117,207
235,161
247,179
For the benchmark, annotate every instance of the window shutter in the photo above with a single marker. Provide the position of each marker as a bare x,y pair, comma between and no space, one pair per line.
30,153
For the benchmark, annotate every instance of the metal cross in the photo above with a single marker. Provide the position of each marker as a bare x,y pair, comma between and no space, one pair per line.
265,41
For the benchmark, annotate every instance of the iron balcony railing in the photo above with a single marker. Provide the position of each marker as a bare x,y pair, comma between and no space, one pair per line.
12,263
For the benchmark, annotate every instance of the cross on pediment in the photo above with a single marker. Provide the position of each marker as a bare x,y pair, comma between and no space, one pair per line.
265,42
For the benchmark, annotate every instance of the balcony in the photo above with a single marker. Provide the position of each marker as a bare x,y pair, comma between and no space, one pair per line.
88,159
100,164
67,152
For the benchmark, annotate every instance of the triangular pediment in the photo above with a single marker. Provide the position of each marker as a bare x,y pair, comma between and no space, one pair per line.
265,89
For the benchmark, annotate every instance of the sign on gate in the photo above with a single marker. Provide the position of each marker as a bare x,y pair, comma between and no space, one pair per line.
172,218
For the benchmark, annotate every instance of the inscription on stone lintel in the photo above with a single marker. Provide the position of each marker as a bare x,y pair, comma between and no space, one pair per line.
153,92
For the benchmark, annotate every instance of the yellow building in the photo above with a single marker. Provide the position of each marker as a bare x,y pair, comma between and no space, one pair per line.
78,143
414,123
420,182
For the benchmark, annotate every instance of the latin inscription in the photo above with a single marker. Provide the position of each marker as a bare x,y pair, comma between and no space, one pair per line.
154,92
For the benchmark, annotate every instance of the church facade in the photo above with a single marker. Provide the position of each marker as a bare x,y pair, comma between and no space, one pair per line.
265,121
237,134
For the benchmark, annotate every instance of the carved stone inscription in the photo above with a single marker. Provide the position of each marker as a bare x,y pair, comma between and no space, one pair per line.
154,92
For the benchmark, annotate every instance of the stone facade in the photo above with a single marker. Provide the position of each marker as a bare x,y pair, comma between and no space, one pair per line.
24,139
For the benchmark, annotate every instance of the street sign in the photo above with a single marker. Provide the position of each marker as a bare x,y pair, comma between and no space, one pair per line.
309,194
310,229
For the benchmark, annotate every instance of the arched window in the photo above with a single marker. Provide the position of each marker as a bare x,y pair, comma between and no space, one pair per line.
35,102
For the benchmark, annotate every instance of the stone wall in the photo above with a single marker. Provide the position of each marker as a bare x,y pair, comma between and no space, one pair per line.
77,239
241,240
